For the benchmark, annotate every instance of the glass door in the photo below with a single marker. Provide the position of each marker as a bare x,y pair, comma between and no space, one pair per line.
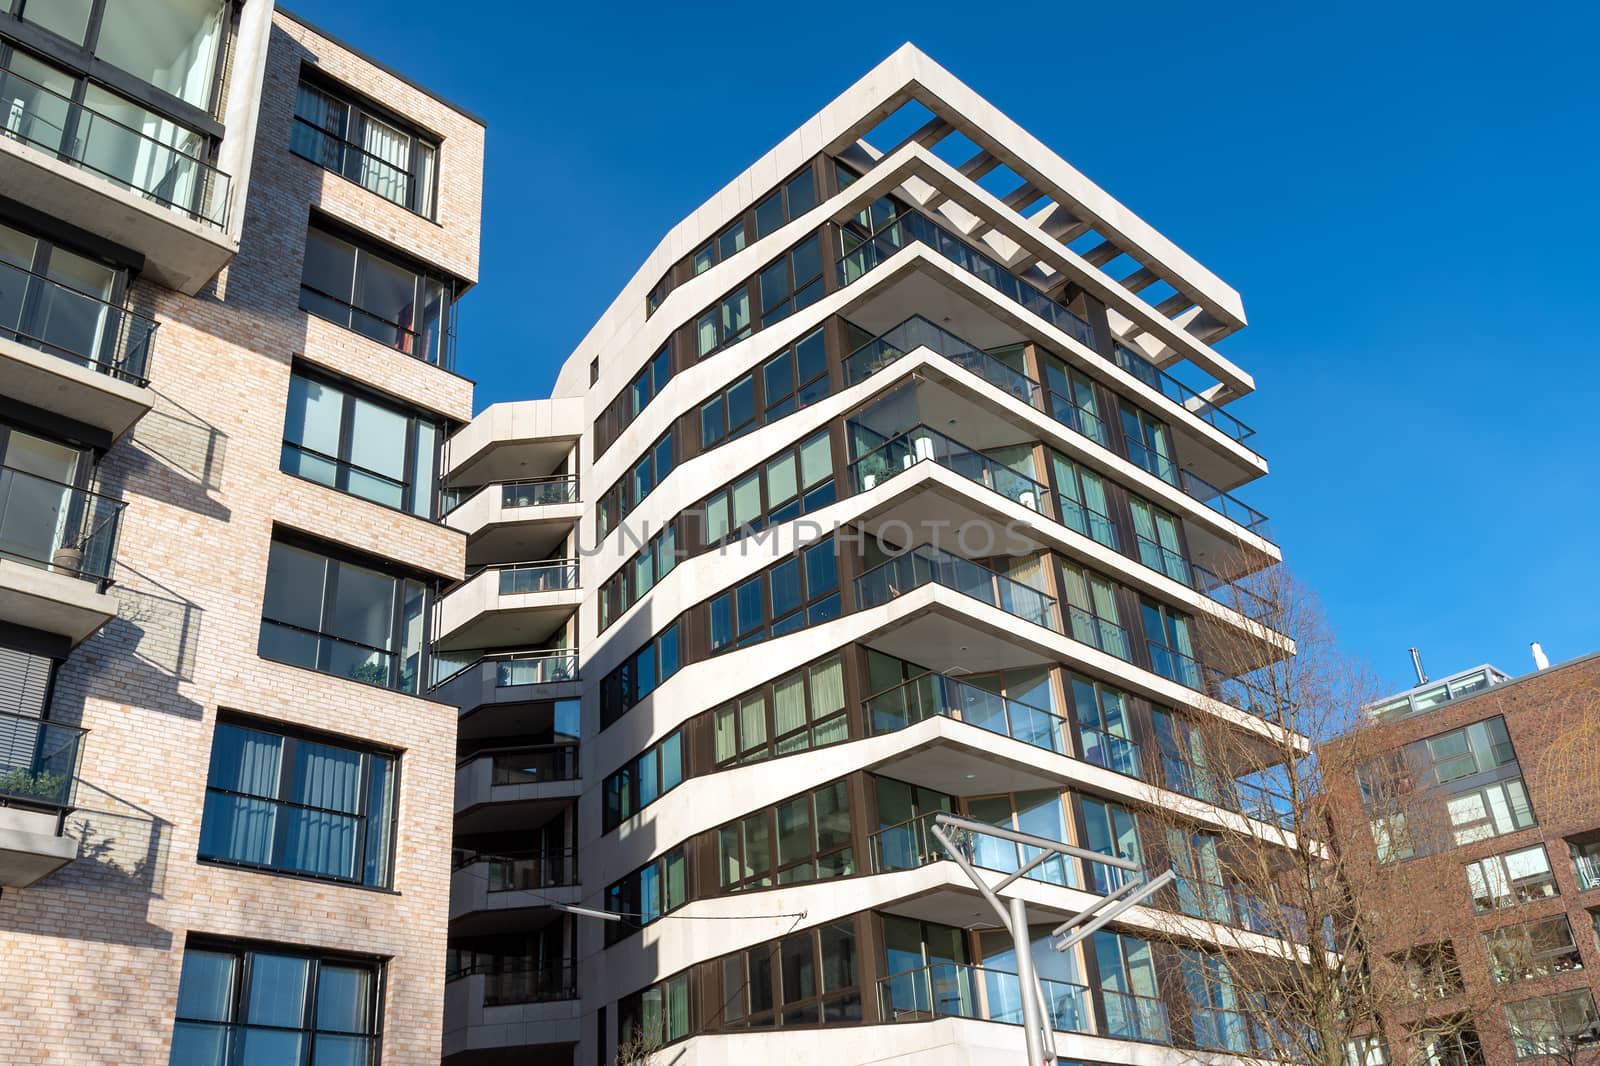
36,496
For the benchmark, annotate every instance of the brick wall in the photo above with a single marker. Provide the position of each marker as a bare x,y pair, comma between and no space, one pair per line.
93,953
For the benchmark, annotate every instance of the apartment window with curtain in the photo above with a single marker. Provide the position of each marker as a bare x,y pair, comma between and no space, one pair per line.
1081,496
1149,442
1105,729
344,438
799,592
1201,890
1111,830
280,801
1072,399
654,889
1184,766
1168,635
254,1005
352,139
794,482
375,294
1092,610
339,617
802,710
1129,989
807,838
660,1012
1160,543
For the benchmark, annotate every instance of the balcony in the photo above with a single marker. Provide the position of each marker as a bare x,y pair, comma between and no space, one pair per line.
495,1012
511,518
1135,1017
73,354
508,789
909,845
38,779
951,990
161,200
508,605
918,332
935,695
474,678
484,887
893,455
912,227
58,548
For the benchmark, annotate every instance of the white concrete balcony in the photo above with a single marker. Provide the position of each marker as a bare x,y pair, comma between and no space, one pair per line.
517,519
490,1012
68,161
503,789
57,553
472,679
513,441
73,354
38,779
508,605
484,887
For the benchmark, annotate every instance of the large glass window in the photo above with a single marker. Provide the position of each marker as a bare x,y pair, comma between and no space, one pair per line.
350,139
655,1015
1149,442
396,305
1092,610
656,888
342,618
1490,811
247,1006
1474,749
1520,876
794,482
1160,545
299,805
354,443
1167,633
1081,494
172,44
1112,830
1531,950
1129,990
797,712
1553,1024
806,839
801,591
643,780
1104,729
639,675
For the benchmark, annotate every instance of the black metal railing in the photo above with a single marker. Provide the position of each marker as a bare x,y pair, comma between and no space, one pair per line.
530,765
58,526
38,761
76,326
350,160
509,981
172,176
521,871
534,667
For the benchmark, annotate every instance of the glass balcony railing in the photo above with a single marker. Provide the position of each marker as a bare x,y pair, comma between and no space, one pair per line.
58,527
951,990
1174,665
534,765
524,870
1264,804
534,492
927,565
171,174
522,579
1109,751
1090,629
38,761
935,695
917,331
1231,594
1135,1017
910,845
1217,1029
1083,518
81,328
911,228
1225,505
510,981
1152,462
924,444
1179,393
511,667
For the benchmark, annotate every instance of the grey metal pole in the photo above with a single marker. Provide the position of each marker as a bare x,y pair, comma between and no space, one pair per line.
1027,990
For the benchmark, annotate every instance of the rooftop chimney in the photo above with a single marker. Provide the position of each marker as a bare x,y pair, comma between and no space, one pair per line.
1416,661
1541,661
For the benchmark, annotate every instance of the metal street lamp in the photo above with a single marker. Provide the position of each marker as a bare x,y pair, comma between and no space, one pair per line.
1037,1031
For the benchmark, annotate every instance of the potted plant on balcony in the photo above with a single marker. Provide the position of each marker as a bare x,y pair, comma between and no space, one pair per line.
69,557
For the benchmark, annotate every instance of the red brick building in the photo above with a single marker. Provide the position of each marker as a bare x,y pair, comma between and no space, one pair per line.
1479,816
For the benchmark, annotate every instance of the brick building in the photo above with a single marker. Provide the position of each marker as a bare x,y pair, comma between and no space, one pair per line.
1478,817
230,248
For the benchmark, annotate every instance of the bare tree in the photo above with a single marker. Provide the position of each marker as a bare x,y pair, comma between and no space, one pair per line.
640,1046
1282,928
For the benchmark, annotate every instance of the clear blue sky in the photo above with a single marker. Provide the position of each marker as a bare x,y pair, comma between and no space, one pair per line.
1405,196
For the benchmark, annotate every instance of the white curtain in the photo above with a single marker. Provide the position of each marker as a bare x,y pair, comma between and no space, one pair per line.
385,168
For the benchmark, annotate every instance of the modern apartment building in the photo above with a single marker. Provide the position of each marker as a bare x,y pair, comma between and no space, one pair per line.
230,251
1477,818
901,478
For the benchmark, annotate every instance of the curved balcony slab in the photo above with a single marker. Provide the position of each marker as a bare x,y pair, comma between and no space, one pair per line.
484,806
499,527
486,611
477,1034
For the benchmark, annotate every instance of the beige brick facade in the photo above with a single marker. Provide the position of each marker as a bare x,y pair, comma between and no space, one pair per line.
92,955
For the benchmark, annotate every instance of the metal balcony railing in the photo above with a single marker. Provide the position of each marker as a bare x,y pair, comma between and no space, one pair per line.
171,175
512,981
521,579
534,764
77,326
927,565
522,871
921,444
533,667
917,331
38,761
57,526
1109,751
525,492
952,990
935,695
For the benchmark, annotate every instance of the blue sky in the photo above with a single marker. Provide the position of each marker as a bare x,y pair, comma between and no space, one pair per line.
1406,199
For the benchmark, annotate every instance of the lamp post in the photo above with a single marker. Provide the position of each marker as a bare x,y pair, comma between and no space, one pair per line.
1038,1033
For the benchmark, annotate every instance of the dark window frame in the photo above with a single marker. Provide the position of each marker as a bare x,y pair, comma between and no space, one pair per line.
421,199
